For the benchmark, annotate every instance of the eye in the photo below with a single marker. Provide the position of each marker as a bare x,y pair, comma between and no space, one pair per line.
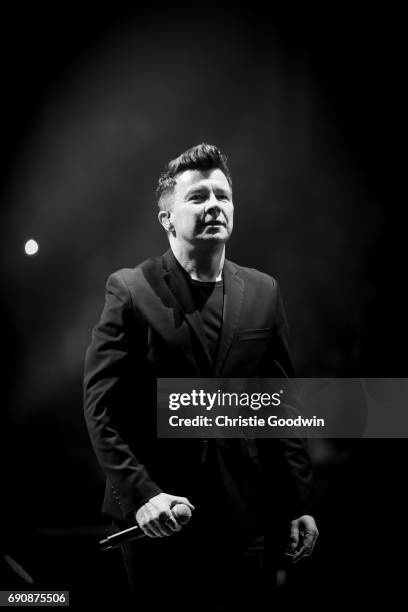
197,197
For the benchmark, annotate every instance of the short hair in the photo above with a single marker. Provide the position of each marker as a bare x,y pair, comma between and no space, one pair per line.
201,157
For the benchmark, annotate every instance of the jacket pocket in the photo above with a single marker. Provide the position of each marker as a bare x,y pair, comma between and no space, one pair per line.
255,334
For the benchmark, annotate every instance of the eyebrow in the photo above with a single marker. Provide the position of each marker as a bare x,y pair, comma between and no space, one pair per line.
204,188
196,189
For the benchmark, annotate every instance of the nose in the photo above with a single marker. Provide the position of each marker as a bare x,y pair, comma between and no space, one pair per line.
213,207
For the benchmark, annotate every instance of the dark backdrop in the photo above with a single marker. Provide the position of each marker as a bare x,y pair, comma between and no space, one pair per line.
307,108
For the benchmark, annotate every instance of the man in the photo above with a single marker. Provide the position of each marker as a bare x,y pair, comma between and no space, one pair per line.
192,313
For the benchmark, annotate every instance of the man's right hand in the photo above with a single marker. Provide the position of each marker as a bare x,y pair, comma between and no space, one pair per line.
155,517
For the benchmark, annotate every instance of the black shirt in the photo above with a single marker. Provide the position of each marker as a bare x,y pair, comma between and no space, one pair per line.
209,301
229,474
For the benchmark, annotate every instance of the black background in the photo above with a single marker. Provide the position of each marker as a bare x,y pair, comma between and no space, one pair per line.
338,256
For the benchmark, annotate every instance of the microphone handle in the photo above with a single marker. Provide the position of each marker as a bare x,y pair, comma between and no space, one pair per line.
116,539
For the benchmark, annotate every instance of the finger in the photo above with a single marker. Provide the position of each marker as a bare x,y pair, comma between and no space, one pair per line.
303,552
167,523
309,539
307,546
172,523
163,528
294,537
170,526
149,526
147,530
154,527
169,530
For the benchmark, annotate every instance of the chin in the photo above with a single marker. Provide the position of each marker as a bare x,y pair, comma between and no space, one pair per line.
217,232
216,238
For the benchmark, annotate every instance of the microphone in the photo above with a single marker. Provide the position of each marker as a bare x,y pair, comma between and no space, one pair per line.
181,512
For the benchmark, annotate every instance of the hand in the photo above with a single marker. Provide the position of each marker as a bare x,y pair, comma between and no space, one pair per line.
155,517
303,536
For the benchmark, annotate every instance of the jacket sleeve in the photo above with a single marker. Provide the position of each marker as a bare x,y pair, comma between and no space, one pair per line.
292,453
112,365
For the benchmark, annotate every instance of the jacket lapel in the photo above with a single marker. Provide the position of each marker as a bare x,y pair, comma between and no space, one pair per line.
233,294
159,295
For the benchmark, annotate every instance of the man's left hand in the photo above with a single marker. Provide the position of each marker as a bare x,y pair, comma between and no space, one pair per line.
303,536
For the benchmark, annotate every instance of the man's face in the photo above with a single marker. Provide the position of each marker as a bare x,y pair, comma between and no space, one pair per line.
202,210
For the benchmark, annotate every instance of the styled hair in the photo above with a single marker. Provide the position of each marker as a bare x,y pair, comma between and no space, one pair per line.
201,157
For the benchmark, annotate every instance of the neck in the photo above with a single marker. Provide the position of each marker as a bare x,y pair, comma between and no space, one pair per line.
200,264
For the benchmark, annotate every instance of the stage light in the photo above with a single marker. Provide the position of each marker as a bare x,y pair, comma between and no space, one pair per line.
31,247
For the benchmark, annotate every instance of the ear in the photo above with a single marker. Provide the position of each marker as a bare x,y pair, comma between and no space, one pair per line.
164,220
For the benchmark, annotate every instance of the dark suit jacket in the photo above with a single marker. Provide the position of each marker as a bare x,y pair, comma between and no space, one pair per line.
150,328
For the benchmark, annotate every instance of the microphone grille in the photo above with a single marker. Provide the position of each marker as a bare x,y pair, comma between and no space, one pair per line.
182,513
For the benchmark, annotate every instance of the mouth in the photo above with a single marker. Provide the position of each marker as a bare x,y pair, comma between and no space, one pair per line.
215,224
